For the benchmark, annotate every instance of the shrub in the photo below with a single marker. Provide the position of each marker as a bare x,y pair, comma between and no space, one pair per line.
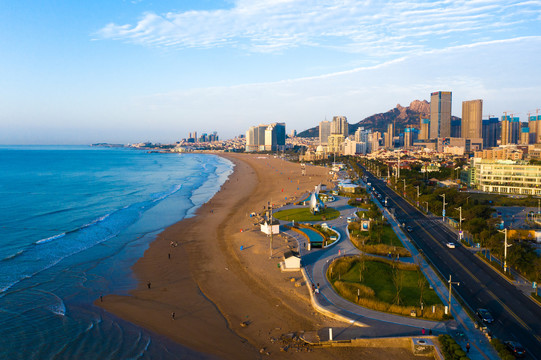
342,266
352,291
450,349
502,350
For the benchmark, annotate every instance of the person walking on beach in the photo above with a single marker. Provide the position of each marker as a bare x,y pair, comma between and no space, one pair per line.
173,315
148,284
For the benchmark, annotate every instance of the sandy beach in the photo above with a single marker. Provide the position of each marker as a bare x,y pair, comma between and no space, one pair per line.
228,302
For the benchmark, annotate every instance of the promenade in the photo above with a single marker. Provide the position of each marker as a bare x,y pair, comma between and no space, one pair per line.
367,323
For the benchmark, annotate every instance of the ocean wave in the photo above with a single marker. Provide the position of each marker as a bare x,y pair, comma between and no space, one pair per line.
161,196
46,240
59,308
12,256
44,253
101,218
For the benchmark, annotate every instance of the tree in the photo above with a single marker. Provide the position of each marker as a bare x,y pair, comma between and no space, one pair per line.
362,263
398,279
421,282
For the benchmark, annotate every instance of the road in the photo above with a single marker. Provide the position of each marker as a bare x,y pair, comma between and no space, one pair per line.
516,316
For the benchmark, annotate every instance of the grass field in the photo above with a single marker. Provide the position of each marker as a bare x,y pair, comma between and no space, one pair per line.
378,290
304,214
388,236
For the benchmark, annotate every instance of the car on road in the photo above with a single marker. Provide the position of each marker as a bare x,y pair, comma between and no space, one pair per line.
409,229
451,245
515,348
485,316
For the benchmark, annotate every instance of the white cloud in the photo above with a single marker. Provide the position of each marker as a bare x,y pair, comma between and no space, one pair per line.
347,25
474,71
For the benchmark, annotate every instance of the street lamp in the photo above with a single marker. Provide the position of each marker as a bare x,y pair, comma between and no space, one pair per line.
451,283
426,202
505,246
460,220
404,180
444,203
417,195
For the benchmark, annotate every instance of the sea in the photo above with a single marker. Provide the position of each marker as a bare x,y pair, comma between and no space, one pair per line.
73,221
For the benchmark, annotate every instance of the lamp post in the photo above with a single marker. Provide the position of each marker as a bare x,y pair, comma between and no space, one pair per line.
398,167
417,195
451,283
505,246
460,218
426,202
270,257
404,180
444,203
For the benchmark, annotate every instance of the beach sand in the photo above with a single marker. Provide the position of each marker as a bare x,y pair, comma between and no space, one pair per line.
228,302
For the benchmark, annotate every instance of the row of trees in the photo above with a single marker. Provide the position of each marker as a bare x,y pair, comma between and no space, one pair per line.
477,210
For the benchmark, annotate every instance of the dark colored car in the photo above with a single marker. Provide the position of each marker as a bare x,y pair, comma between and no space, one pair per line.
485,316
409,229
515,348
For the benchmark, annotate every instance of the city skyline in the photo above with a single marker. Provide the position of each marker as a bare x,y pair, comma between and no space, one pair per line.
132,71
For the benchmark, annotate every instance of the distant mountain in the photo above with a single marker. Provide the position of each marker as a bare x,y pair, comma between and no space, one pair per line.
401,116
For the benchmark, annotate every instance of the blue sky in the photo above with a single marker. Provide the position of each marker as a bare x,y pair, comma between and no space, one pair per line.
78,72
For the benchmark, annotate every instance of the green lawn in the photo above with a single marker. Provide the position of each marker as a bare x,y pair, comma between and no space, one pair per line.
304,214
378,276
388,236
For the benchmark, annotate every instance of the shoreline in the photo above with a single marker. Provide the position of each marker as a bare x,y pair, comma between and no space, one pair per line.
208,284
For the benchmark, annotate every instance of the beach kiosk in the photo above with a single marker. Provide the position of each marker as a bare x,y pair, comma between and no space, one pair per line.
270,227
292,261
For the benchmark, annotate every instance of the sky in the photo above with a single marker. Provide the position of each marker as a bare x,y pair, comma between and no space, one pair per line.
121,71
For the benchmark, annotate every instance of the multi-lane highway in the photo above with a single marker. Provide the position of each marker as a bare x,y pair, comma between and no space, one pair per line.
516,317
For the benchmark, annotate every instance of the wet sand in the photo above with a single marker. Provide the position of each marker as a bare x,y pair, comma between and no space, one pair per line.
228,302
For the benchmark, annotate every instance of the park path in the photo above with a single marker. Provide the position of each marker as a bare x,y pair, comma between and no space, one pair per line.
367,323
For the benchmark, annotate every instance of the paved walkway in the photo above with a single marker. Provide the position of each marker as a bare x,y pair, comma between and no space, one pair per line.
366,323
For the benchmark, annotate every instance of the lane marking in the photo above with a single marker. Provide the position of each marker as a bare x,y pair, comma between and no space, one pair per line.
519,320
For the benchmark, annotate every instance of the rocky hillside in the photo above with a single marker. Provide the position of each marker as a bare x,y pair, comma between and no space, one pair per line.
400,115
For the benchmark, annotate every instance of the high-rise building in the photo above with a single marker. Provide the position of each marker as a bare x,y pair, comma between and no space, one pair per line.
472,114
255,138
532,125
425,129
408,138
335,144
515,130
389,136
535,128
524,135
275,136
440,114
374,141
339,125
324,132
456,128
510,130
506,130
490,132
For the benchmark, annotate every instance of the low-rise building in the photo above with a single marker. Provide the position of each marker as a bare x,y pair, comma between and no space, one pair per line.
506,177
